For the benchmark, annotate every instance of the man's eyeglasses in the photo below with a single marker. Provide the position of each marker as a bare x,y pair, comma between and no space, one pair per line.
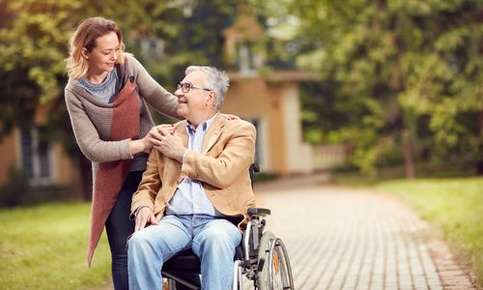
187,86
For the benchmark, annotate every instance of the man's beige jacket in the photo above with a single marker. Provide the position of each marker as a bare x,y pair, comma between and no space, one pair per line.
228,151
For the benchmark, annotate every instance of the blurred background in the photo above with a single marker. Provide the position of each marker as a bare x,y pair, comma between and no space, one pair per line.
360,91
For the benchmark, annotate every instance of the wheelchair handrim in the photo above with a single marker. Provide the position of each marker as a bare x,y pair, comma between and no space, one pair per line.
283,271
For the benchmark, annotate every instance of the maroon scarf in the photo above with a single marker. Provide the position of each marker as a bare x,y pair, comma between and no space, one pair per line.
111,175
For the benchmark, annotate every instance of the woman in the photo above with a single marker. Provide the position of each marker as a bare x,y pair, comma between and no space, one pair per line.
106,99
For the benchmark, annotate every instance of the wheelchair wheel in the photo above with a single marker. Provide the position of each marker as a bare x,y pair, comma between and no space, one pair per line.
275,272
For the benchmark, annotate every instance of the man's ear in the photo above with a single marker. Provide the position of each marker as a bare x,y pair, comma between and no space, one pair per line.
84,53
211,98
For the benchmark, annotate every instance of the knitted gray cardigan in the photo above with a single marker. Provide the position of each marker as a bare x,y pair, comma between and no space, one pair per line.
92,123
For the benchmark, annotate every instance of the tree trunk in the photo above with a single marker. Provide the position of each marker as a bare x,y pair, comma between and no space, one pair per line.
408,154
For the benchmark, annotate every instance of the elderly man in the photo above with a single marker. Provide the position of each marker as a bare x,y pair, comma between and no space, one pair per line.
195,185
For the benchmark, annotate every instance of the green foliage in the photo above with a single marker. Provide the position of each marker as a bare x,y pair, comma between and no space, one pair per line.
34,42
390,67
165,36
263,177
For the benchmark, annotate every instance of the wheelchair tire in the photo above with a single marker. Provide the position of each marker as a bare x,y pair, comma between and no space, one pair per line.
275,272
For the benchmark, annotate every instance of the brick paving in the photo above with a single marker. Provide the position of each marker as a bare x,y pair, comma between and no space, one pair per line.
353,239
340,238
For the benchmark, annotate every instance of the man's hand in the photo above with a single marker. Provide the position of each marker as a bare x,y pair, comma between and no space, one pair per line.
155,134
170,146
143,216
165,129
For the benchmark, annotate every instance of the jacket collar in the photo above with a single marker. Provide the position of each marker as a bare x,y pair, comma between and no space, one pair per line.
213,133
211,136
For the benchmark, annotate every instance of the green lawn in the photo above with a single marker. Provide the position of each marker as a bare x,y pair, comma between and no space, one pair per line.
455,205
44,247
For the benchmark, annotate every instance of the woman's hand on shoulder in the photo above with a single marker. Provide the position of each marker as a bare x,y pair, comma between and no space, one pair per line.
231,116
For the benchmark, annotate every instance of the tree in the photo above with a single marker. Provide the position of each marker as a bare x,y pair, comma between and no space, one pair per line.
165,35
398,74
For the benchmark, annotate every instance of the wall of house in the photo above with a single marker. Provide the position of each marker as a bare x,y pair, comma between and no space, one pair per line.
276,104
299,154
254,98
66,171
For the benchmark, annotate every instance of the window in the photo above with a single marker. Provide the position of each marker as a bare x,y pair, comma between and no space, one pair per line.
36,158
245,60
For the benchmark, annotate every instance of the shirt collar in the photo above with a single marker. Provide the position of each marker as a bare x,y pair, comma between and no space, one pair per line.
205,125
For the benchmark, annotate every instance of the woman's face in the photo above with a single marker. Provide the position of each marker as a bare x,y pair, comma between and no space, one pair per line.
103,56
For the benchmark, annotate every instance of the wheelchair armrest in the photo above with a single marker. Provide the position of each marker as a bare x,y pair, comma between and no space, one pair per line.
258,211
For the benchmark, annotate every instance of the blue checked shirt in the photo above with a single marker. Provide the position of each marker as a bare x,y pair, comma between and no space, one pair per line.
190,197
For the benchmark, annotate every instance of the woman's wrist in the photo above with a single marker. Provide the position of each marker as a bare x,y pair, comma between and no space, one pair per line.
136,146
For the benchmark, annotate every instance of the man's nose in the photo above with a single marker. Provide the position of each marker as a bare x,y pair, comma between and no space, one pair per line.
178,93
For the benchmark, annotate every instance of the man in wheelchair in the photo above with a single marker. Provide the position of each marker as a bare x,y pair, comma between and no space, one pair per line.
196,189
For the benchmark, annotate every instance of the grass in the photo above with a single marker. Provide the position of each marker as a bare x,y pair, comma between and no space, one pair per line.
453,204
44,247
351,176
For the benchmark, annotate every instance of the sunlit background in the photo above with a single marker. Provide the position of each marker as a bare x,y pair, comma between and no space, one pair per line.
360,91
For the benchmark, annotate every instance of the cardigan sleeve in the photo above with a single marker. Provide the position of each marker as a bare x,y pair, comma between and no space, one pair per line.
157,96
92,146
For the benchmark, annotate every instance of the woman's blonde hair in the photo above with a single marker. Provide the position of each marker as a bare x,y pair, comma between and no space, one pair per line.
85,37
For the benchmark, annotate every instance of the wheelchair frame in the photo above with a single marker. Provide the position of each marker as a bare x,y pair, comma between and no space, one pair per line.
261,257
264,258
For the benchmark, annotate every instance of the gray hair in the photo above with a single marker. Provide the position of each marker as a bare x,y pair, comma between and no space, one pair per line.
216,80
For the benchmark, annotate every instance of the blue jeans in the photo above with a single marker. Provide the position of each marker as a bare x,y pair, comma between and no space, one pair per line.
213,240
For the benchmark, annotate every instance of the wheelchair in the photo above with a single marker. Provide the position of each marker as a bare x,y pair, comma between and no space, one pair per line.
261,258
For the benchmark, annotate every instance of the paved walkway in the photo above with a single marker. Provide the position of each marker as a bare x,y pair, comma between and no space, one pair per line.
352,239
345,238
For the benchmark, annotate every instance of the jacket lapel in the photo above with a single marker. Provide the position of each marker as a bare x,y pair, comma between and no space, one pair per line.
180,131
213,134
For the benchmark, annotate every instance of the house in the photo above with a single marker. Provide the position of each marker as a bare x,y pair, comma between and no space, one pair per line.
45,164
269,98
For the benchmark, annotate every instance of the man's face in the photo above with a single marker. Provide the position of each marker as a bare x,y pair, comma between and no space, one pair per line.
194,98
